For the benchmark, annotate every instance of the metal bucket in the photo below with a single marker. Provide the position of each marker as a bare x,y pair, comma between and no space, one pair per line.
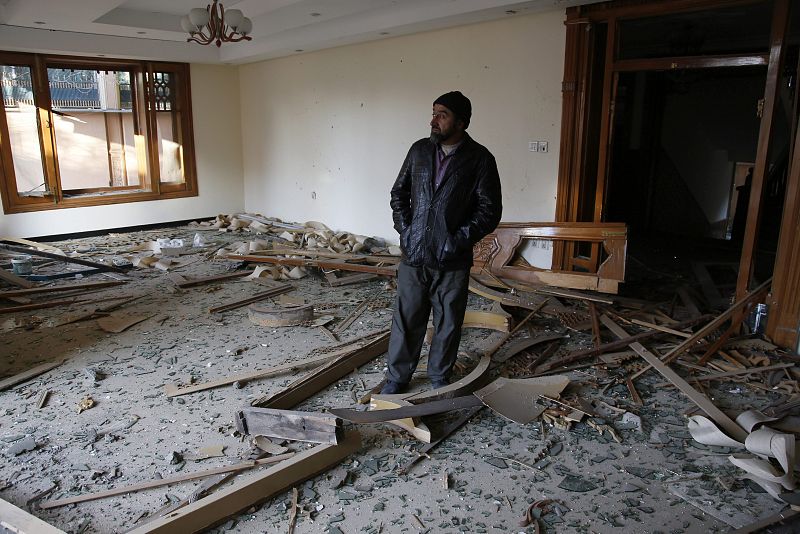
22,265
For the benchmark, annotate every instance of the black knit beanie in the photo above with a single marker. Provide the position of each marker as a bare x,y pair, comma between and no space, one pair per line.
458,104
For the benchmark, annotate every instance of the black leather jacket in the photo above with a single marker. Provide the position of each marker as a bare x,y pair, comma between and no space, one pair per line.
439,228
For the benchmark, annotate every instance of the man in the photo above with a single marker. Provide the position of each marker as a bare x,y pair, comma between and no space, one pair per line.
446,199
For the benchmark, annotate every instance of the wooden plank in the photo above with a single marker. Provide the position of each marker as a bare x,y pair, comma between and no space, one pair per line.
59,257
13,279
172,390
274,292
165,481
212,279
230,501
288,424
59,289
321,378
753,296
30,373
18,521
718,416
614,345
688,302
38,305
728,374
661,328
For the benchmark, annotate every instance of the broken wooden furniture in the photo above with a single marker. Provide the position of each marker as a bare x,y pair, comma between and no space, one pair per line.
498,253
18,521
288,424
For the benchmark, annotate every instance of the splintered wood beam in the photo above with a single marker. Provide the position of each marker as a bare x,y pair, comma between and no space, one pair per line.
288,424
165,481
718,416
231,501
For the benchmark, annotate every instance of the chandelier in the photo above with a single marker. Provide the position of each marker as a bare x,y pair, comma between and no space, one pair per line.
215,24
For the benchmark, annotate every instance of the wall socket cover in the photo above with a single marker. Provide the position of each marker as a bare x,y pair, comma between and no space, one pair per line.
542,146
533,146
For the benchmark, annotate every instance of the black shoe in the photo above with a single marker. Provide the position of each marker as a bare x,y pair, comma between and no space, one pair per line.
437,384
393,388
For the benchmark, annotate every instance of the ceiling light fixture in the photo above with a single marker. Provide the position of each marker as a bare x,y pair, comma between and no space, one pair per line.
215,24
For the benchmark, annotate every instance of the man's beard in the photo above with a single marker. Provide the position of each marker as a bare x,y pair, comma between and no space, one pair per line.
436,137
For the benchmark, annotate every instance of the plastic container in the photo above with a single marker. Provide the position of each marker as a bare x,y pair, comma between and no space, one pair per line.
22,265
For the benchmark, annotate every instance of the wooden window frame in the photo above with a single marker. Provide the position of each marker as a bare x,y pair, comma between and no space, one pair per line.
144,116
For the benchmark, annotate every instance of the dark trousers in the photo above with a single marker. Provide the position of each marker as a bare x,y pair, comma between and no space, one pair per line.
420,289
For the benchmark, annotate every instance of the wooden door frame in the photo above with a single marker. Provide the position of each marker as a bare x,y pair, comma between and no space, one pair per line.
576,112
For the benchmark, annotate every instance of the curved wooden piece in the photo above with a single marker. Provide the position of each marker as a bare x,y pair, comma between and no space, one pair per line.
412,425
465,386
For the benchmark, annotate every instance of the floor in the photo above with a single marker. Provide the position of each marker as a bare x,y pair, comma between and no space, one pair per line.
656,480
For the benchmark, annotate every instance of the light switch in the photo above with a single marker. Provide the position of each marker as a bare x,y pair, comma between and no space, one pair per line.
533,146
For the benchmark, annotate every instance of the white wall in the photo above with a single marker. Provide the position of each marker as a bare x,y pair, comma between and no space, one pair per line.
218,140
325,133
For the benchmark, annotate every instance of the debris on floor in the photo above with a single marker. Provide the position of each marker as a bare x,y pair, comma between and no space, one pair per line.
249,361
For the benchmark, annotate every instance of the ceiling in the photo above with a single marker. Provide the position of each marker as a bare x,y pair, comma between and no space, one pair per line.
280,27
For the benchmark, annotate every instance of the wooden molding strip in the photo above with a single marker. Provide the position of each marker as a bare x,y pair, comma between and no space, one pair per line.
30,373
165,481
18,521
230,501
740,372
718,416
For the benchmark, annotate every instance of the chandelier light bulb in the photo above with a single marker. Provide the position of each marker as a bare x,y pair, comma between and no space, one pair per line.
234,18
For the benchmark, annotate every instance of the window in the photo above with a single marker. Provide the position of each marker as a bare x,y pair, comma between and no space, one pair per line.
81,132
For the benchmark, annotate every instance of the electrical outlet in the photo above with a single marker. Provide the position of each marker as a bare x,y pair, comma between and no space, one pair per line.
533,146
542,146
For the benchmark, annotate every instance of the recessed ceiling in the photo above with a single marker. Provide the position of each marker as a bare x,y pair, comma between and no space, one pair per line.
280,27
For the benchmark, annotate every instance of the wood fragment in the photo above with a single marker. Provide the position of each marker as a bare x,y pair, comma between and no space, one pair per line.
274,292
42,401
59,288
165,481
755,295
595,325
13,279
186,283
172,390
59,257
325,375
30,373
661,328
232,500
288,424
717,415
293,512
632,390
18,521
